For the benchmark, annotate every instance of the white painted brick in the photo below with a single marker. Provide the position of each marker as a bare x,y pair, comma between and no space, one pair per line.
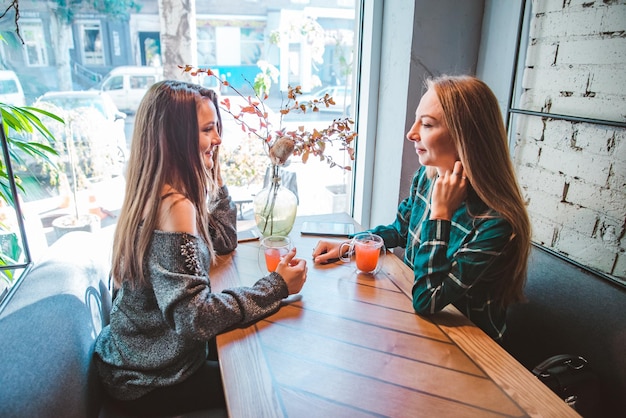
620,266
545,6
580,219
614,18
591,168
609,202
617,179
553,79
596,139
536,28
544,205
588,80
597,51
618,166
577,4
588,138
568,23
540,53
535,101
558,135
605,79
532,126
535,179
587,251
526,153
603,108
620,143
544,230
608,108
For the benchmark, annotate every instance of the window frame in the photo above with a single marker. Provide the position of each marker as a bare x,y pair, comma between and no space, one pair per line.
88,57
38,45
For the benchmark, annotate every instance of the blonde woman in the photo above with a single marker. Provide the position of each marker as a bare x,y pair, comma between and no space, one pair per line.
152,357
464,226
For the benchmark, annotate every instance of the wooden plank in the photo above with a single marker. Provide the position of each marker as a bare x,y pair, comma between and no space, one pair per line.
378,338
248,386
330,396
361,373
521,385
333,304
247,382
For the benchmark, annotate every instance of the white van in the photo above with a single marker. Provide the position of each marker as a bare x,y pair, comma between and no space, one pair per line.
127,85
11,91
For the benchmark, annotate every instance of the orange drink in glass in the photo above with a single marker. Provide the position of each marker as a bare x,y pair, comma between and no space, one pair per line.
367,253
367,249
272,249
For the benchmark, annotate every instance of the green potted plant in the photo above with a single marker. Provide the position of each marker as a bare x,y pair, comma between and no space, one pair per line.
17,128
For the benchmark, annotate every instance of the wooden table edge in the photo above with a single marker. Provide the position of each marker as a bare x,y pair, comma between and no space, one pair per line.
513,378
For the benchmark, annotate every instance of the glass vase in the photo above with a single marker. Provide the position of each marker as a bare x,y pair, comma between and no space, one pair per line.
275,207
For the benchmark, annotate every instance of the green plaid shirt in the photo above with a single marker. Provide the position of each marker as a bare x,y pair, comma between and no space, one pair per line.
454,261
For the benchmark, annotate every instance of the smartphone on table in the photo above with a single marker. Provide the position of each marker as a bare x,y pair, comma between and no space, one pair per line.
248,235
327,229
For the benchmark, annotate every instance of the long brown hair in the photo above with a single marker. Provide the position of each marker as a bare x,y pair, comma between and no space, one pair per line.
164,151
473,118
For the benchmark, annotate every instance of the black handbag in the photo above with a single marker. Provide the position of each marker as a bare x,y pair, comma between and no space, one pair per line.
573,380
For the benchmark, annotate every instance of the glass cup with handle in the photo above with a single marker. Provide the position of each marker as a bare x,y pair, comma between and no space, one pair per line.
368,250
271,250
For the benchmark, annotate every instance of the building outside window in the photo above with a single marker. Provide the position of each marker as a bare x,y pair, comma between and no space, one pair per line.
34,44
206,44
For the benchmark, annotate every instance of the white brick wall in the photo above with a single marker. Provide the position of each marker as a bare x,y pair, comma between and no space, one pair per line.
572,174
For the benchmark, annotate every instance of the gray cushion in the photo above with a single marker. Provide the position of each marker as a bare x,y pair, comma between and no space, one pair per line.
48,328
572,311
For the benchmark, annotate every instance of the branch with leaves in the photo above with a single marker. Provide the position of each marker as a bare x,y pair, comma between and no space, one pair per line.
280,144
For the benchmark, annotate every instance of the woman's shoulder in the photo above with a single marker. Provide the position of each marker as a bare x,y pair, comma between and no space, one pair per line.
491,223
176,213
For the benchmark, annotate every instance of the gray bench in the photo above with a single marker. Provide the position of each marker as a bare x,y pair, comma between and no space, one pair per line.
572,311
48,329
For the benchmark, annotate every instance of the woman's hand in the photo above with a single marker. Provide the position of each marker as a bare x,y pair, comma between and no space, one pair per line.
326,252
449,191
293,271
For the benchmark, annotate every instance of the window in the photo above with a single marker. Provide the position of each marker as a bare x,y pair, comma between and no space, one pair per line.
91,42
251,45
293,43
206,45
141,81
34,44
230,41
114,83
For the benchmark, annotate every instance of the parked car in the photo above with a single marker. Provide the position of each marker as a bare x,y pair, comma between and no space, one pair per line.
342,96
11,91
99,148
113,119
128,84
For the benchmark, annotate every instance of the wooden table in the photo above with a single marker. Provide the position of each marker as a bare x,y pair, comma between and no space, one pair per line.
353,346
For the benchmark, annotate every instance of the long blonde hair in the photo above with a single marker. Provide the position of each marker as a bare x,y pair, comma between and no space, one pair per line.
164,151
473,118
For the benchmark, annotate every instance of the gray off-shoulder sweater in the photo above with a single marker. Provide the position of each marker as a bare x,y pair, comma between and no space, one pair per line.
158,334
223,224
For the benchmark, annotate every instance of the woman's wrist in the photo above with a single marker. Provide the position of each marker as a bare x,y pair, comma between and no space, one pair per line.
440,216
